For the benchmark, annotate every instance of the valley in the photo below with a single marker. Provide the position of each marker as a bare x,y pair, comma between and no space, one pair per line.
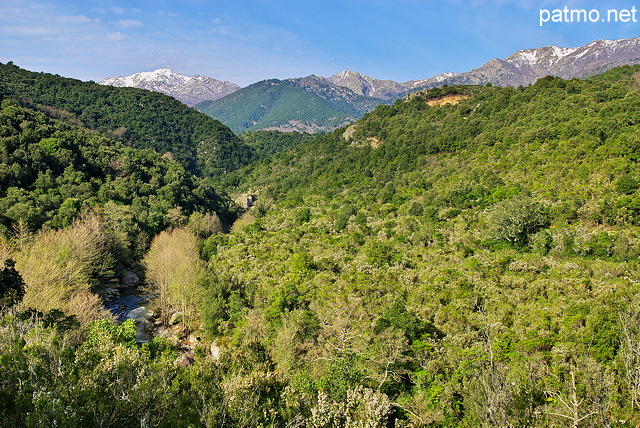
463,255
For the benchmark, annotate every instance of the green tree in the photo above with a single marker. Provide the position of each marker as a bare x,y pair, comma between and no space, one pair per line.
11,285
513,220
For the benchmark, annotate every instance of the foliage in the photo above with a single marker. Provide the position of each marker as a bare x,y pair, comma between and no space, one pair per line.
224,301
60,267
462,259
269,143
140,118
11,285
470,264
515,219
173,270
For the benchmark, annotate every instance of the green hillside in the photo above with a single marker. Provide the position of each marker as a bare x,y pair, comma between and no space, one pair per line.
269,143
139,118
285,105
466,257
476,262
53,171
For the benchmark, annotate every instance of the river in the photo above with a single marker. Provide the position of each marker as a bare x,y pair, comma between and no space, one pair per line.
130,299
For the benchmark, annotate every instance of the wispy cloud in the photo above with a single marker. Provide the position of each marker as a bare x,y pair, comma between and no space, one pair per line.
75,19
115,37
129,23
29,31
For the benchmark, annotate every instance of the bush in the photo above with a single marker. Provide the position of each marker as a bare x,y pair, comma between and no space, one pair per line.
627,184
515,219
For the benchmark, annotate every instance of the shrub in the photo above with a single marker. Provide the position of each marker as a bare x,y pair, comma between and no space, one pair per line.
515,219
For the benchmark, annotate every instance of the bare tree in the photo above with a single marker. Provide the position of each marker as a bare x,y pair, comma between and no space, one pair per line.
60,266
173,269
571,404
630,350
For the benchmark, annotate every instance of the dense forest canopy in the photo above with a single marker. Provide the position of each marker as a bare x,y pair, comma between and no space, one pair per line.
139,118
53,170
465,257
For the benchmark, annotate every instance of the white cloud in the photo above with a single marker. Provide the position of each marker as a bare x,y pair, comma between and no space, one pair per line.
116,36
74,19
129,23
223,30
29,31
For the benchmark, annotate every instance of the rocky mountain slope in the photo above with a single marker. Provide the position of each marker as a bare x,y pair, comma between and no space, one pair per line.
521,68
526,66
188,89
317,104
367,86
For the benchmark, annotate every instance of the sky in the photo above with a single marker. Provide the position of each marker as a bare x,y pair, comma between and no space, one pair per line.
245,41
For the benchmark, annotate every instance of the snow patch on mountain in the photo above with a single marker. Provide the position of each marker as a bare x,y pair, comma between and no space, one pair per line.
188,89
521,68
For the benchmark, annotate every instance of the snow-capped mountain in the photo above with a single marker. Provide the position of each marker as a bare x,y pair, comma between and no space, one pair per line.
352,94
521,68
526,66
435,80
188,89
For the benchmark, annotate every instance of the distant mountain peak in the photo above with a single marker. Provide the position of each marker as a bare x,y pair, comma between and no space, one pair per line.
188,89
547,54
367,86
345,74
348,94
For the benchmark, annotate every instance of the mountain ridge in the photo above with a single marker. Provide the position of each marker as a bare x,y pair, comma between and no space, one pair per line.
188,89
307,104
525,66
348,95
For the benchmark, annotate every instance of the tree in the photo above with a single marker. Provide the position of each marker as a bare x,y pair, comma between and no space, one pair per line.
515,219
173,270
571,404
204,225
11,285
630,351
59,267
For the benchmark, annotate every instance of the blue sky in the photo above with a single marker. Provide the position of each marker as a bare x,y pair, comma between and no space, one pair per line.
244,41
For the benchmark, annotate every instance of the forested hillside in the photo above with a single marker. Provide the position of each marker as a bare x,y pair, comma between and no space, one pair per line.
269,143
303,105
139,118
474,261
466,257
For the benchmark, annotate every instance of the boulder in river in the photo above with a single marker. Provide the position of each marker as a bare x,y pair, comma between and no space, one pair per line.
109,293
140,314
129,279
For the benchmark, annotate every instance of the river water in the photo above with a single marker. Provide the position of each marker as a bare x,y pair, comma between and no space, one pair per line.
131,298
